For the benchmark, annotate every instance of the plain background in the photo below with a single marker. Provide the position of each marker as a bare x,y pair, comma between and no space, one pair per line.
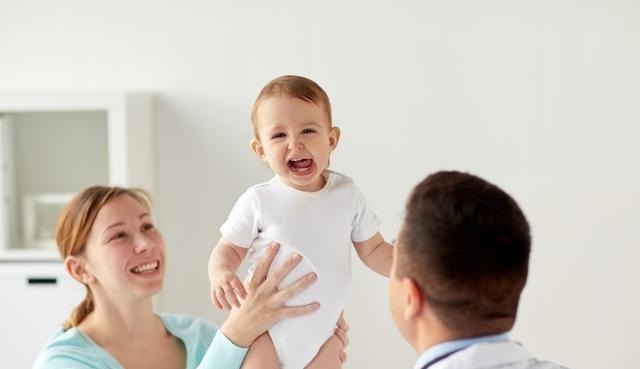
540,97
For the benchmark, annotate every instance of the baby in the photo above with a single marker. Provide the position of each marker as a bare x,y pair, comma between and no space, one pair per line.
311,211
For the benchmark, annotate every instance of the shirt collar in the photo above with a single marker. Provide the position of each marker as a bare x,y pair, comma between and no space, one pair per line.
451,346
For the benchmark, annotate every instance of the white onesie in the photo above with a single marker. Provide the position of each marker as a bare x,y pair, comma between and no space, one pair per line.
321,226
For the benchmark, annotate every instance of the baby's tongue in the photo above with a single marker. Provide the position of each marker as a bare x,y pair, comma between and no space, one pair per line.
301,164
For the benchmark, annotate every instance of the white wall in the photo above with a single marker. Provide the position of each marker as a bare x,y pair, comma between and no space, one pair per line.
541,97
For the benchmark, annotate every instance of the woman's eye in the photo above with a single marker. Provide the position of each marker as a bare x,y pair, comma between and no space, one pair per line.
118,236
277,135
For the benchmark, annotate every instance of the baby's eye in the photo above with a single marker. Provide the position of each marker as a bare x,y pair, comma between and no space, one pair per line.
147,227
308,130
277,135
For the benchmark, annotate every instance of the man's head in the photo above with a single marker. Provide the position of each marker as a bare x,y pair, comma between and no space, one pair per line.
461,257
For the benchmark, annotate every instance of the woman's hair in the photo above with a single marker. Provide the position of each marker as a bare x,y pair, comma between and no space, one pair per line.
74,225
293,86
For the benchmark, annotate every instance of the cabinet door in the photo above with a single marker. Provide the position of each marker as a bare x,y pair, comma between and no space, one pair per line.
36,299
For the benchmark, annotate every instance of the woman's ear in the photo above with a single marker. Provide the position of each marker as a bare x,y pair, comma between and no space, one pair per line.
334,137
256,147
76,268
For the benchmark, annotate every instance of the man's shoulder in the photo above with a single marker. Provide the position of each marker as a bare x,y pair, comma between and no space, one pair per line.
508,354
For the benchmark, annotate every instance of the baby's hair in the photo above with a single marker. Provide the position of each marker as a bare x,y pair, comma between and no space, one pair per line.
293,86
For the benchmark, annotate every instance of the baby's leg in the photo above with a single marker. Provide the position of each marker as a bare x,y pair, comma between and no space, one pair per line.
262,354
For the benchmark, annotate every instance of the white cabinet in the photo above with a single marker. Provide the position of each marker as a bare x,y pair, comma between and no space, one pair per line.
36,299
51,147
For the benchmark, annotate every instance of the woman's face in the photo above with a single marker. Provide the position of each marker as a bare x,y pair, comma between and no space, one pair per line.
124,253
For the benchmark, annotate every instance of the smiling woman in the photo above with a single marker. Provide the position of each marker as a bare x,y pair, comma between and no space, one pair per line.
120,227
109,243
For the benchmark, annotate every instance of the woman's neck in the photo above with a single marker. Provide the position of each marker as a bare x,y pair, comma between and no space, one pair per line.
127,323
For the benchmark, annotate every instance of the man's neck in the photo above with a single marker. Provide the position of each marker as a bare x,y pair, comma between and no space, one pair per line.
447,348
430,333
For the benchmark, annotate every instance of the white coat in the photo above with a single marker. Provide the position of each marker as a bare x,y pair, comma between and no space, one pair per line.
503,355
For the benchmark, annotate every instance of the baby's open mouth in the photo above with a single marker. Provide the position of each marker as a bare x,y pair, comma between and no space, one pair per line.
300,165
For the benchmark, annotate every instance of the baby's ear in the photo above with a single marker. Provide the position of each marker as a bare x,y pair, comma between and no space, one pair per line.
256,147
334,137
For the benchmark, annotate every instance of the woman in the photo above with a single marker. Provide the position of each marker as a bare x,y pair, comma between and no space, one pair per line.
108,242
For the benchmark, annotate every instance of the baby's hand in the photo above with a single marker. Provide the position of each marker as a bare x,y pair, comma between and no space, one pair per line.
226,288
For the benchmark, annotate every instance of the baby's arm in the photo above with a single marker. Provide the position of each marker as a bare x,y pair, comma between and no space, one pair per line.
225,285
376,254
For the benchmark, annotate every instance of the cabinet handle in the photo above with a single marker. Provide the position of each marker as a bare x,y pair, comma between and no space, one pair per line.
42,280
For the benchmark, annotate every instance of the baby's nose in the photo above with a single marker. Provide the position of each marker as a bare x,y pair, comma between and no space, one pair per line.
296,144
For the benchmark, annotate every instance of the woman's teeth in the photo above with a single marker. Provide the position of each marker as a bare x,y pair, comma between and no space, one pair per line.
146,267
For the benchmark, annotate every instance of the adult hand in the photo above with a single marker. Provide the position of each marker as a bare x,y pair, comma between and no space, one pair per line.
332,355
264,303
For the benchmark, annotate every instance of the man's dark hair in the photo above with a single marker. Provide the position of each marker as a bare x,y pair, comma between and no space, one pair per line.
466,243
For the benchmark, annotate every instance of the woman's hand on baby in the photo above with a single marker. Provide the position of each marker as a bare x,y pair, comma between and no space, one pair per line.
227,290
332,353
264,303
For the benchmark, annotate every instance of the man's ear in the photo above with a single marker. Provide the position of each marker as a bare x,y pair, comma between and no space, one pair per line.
414,304
76,268
256,147
334,137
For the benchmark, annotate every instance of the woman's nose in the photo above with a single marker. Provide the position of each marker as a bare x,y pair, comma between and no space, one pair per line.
142,244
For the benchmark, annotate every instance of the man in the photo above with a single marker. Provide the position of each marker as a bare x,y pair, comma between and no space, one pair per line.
460,263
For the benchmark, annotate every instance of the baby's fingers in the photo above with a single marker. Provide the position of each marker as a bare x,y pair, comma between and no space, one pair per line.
214,298
238,288
220,296
230,295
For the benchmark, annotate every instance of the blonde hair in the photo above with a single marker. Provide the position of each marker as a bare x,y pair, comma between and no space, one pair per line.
293,86
74,225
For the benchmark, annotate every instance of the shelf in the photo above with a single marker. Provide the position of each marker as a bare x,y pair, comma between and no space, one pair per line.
30,255
107,140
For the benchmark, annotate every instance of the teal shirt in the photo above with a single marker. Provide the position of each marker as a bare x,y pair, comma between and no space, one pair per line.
204,345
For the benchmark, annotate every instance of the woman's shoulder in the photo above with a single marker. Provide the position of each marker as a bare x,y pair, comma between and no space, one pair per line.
67,349
186,327
198,336
185,322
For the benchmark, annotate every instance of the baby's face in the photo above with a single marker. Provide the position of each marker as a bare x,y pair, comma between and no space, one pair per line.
295,138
